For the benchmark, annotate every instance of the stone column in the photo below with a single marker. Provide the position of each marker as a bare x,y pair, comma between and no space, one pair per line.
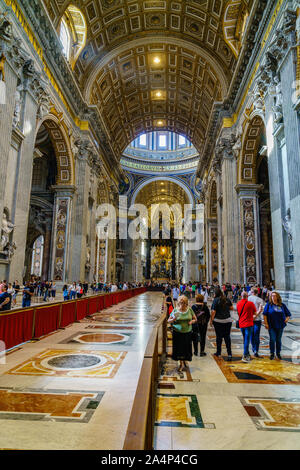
62,252
230,252
46,250
80,209
250,232
291,122
33,91
212,251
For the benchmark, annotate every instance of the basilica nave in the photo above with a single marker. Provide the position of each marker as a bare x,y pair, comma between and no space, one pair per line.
125,126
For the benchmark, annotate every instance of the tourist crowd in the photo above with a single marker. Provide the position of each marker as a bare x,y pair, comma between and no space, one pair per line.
254,306
46,291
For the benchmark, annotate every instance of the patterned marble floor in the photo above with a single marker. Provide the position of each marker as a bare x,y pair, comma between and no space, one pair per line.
219,405
74,388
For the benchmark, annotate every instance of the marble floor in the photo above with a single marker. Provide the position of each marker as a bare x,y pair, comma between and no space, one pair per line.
74,388
221,405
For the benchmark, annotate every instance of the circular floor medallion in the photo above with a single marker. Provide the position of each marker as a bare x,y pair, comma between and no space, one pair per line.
73,361
101,338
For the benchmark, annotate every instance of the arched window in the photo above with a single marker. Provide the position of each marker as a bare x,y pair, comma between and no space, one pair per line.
72,33
64,36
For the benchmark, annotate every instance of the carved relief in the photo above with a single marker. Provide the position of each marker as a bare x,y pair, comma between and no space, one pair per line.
248,221
60,240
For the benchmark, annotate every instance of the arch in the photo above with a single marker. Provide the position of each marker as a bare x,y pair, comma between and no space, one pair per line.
62,148
73,20
247,163
163,178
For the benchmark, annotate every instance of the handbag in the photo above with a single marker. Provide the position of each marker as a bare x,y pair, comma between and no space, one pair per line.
237,322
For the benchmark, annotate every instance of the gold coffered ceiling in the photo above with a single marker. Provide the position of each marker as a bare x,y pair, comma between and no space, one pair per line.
122,91
197,41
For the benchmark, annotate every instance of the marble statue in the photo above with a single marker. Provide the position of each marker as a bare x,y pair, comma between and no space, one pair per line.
7,228
88,259
18,105
287,225
5,28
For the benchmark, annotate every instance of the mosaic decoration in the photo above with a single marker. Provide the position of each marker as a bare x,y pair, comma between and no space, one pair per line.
61,226
102,260
273,414
248,221
71,363
100,339
214,254
48,405
260,370
179,411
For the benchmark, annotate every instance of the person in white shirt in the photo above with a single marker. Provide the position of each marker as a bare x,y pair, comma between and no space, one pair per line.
259,305
114,288
175,292
125,286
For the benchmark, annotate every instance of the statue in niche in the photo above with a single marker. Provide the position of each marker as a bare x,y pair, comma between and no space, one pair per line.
9,250
278,91
44,105
258,102
278,116
6,230
88,259
238,143
5,28
18,105
287,225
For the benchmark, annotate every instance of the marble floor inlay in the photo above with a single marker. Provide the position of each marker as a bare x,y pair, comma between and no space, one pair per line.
48,405
176,410
99,338
261,370
71,363
276,414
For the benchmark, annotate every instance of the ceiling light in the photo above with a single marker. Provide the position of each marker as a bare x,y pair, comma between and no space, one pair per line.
159,123
158,94
156,60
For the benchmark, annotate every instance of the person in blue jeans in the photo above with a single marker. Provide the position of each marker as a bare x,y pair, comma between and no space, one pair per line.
276,316
28,292
259,305
246,311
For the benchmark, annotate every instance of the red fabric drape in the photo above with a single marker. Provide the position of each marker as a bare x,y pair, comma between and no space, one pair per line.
101,303
82,306
16,328
93,305
68,313
46,320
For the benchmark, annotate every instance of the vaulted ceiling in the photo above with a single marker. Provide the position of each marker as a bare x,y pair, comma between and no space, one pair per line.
162,192
196,41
